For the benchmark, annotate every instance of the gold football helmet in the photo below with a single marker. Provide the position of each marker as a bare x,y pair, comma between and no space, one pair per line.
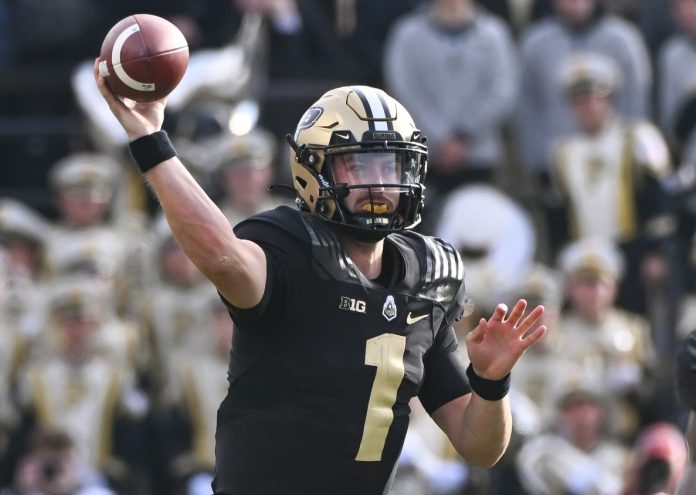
373,135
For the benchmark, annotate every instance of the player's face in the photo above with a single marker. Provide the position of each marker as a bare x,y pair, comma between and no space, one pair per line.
369,168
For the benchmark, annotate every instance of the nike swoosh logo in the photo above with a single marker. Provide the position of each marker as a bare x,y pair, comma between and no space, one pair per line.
343,136
411,320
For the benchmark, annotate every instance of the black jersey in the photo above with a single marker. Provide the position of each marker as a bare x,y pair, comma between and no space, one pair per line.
322,369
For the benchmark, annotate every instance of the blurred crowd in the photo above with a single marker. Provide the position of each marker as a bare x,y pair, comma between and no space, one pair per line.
562,167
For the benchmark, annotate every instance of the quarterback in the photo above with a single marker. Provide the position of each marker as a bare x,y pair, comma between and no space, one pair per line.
342,314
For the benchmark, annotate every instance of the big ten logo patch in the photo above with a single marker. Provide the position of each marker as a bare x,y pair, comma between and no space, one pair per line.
354,305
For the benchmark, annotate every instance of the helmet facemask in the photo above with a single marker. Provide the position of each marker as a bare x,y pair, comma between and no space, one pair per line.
378,190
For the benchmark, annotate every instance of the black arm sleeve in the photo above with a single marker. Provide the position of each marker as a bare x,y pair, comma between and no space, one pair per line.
445,373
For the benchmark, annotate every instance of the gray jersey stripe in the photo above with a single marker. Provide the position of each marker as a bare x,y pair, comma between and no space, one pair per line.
456,263
312,233
325,240
444,260
430,263
457,266
436,270
452,258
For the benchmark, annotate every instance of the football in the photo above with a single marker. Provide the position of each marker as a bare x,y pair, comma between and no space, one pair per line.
143,57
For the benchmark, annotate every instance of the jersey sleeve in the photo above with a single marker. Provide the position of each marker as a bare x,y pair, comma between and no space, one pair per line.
283,265
445,373
460,306
273,299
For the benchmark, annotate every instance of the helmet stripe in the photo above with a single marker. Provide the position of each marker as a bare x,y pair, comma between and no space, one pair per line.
387,113
374,108
368,109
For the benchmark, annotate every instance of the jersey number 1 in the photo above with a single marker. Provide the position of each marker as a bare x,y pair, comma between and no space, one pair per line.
386,352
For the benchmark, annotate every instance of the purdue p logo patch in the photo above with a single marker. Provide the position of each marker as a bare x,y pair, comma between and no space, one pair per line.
389,308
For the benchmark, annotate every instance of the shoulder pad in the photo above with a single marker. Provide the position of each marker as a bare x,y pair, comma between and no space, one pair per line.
281,218
442,269
305,232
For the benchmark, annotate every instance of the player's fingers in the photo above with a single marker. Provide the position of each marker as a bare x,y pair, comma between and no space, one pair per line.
534,336
116,105
531,319
499,312
145,106
517,312
477,333
98,78
111,99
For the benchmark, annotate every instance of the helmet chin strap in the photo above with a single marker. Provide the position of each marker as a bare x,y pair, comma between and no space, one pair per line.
370,219
367,227
359,234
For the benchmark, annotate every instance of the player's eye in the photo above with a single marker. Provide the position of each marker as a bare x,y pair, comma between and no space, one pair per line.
356,165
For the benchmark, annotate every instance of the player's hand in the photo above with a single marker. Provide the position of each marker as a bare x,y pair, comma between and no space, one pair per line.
137,119
496,344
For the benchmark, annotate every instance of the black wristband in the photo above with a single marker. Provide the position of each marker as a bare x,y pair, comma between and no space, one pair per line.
151,150
488,389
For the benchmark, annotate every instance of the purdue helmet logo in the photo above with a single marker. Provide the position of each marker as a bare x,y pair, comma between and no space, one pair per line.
310,117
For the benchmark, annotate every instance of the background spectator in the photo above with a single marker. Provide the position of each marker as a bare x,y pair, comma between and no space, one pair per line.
51,465
578,453
618,166
614,347
677,82
577,25
658,460
454,65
